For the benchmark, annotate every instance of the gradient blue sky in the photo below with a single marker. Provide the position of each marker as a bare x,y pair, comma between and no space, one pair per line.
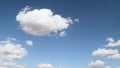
98,20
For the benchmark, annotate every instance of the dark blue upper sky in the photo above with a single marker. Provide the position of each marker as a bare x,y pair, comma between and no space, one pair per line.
98,20
94,16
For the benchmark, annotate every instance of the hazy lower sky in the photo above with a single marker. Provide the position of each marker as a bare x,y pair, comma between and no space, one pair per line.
59,33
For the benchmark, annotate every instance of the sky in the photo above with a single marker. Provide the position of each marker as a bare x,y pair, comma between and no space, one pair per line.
59,34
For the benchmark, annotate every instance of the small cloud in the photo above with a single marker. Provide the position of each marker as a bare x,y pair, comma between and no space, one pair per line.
104,52
60,66
96,64
118,66
107,67
44,66
10,65
114,56
76,20
10,38
110,39
112,43
29,42
62,34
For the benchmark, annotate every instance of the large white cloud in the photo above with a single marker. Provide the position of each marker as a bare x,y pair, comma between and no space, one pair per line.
44,66
112,43
96,64
43,22
104,52
10,52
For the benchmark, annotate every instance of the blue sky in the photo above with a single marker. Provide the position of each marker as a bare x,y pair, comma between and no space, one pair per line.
70,47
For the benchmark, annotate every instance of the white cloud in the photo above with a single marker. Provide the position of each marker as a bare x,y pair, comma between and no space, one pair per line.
44,66
42,22
10,38
112,43
107,67
96,64
62,34
104,52
29,42
76,20
9,52
118,67
12,51
60,66
7,41
114,56
10,65
109,39
107,53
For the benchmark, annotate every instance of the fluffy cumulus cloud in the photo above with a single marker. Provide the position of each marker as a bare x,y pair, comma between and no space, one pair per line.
111,54
29,42
114,56
10,52
112,43
43,22
44,66
96,64
104,52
